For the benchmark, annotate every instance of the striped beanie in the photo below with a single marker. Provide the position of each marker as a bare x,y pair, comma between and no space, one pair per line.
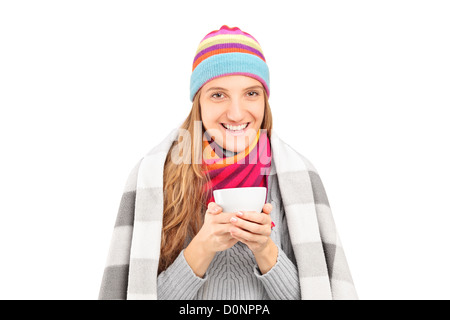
228,51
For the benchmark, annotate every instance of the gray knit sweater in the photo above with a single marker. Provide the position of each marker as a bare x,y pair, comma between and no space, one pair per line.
233,274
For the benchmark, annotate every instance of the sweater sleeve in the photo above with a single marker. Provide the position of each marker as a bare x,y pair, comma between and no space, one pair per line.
281,282
178,281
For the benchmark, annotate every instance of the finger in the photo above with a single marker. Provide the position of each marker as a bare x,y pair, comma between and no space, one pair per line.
254,217
255,228
238,238
267,208
213,208
221,230
245,236
223,217
225,238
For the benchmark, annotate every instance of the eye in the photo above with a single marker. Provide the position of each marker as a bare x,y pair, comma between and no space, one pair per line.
216,94
253,93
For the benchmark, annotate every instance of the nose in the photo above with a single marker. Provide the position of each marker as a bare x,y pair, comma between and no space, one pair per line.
235,112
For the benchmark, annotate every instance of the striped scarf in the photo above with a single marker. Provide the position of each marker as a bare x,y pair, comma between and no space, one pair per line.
248,168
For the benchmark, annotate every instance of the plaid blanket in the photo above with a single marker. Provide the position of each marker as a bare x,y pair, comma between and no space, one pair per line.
132,263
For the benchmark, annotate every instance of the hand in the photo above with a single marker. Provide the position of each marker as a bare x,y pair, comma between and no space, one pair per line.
213,236
253,228
215,233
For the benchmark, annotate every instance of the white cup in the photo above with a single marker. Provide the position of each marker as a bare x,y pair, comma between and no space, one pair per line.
241,199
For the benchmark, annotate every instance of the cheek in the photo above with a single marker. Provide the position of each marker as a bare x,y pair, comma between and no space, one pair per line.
210,117
209,120
258,113
205,112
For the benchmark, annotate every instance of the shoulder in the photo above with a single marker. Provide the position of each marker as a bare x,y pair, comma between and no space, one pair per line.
131,182
290,163
160,150
164,145
286,157
148,171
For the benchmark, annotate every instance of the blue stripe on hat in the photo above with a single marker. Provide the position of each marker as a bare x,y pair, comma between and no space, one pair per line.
229,63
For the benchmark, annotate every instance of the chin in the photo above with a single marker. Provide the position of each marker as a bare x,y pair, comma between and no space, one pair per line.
240,142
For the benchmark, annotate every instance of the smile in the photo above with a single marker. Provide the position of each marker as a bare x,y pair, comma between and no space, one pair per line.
235,128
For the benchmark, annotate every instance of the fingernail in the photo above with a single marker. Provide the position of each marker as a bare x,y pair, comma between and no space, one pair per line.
233,219
240,214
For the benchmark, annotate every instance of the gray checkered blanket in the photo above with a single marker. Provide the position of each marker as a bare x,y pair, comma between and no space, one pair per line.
132,263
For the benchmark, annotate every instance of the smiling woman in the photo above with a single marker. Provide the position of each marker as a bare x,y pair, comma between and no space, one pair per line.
173,241
235,112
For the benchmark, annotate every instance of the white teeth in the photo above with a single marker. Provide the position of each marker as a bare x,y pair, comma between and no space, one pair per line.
235,128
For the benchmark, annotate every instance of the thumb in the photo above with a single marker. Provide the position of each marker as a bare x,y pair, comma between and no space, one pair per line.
267,208
213,208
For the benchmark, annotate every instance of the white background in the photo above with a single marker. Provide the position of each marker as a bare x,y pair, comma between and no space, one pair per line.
361,88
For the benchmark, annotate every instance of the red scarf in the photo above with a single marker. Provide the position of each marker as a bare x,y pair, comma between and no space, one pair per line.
249,168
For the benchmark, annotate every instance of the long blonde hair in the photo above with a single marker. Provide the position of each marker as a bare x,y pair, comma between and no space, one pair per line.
184,199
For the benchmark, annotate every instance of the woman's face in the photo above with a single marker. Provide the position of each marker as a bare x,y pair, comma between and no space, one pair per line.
232,109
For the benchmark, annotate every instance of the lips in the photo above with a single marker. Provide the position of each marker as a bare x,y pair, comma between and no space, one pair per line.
235,128
242,129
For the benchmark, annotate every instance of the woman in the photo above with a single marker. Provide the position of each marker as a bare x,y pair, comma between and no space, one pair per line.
172,241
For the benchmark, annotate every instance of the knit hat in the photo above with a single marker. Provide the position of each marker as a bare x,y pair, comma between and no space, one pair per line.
228,51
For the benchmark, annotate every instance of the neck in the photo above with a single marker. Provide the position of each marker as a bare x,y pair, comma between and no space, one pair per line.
228,153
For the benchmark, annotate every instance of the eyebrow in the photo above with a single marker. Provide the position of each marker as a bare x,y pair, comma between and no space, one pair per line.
224,89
